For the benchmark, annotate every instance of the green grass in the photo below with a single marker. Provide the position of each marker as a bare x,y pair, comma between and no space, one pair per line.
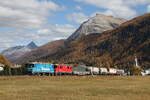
75,88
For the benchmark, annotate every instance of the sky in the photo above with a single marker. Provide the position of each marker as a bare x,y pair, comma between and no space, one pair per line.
42,21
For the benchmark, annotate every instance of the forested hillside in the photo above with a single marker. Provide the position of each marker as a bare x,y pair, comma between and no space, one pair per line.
117,47
4,61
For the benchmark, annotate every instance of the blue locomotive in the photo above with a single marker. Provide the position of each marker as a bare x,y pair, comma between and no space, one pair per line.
40,69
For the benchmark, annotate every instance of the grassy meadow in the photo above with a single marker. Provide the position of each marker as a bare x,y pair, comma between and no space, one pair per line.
75,88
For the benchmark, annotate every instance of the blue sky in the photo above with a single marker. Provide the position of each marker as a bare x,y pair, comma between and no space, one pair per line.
43,21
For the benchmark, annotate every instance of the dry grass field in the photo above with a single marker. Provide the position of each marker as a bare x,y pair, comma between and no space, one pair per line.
75,88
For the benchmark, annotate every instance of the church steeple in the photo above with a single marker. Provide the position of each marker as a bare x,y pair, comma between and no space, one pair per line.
136,61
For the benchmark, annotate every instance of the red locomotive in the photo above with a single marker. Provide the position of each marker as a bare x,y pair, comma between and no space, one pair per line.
63,69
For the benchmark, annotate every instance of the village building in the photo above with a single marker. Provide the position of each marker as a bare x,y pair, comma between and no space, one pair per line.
2,65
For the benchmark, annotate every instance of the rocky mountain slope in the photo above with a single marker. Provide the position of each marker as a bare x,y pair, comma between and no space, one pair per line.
116,47
14,53
96,24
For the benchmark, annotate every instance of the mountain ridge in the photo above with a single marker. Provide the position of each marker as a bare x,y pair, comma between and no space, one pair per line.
13,53
41,51
97,24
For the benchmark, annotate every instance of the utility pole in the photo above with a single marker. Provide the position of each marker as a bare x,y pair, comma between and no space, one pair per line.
92,71
9,71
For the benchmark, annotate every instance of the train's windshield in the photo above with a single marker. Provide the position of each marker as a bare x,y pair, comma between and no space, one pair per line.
29,65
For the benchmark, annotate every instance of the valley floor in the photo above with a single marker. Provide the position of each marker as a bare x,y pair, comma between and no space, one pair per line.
75,88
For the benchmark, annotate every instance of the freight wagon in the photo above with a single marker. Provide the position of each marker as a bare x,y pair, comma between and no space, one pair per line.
112,71
103,71
94,70
80,70
145,72
121,72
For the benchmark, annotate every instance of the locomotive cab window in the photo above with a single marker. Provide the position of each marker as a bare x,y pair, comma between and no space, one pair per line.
29,65
60,67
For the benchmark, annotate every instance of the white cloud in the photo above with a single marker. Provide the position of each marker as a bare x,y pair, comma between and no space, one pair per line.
136,2
123,12
148,8
5,45
58,38
26,14
44,31
117,8
77,17
65,29
78,7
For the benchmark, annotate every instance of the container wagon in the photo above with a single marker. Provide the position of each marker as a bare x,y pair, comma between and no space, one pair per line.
120,72
103,71
94,70
112,71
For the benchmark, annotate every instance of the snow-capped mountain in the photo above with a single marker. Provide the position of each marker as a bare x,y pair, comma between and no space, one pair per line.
13,53
97,24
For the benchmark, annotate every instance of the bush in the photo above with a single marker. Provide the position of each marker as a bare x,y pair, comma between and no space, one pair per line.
135,71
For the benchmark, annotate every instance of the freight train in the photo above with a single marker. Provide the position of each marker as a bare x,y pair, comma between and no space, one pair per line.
66,69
